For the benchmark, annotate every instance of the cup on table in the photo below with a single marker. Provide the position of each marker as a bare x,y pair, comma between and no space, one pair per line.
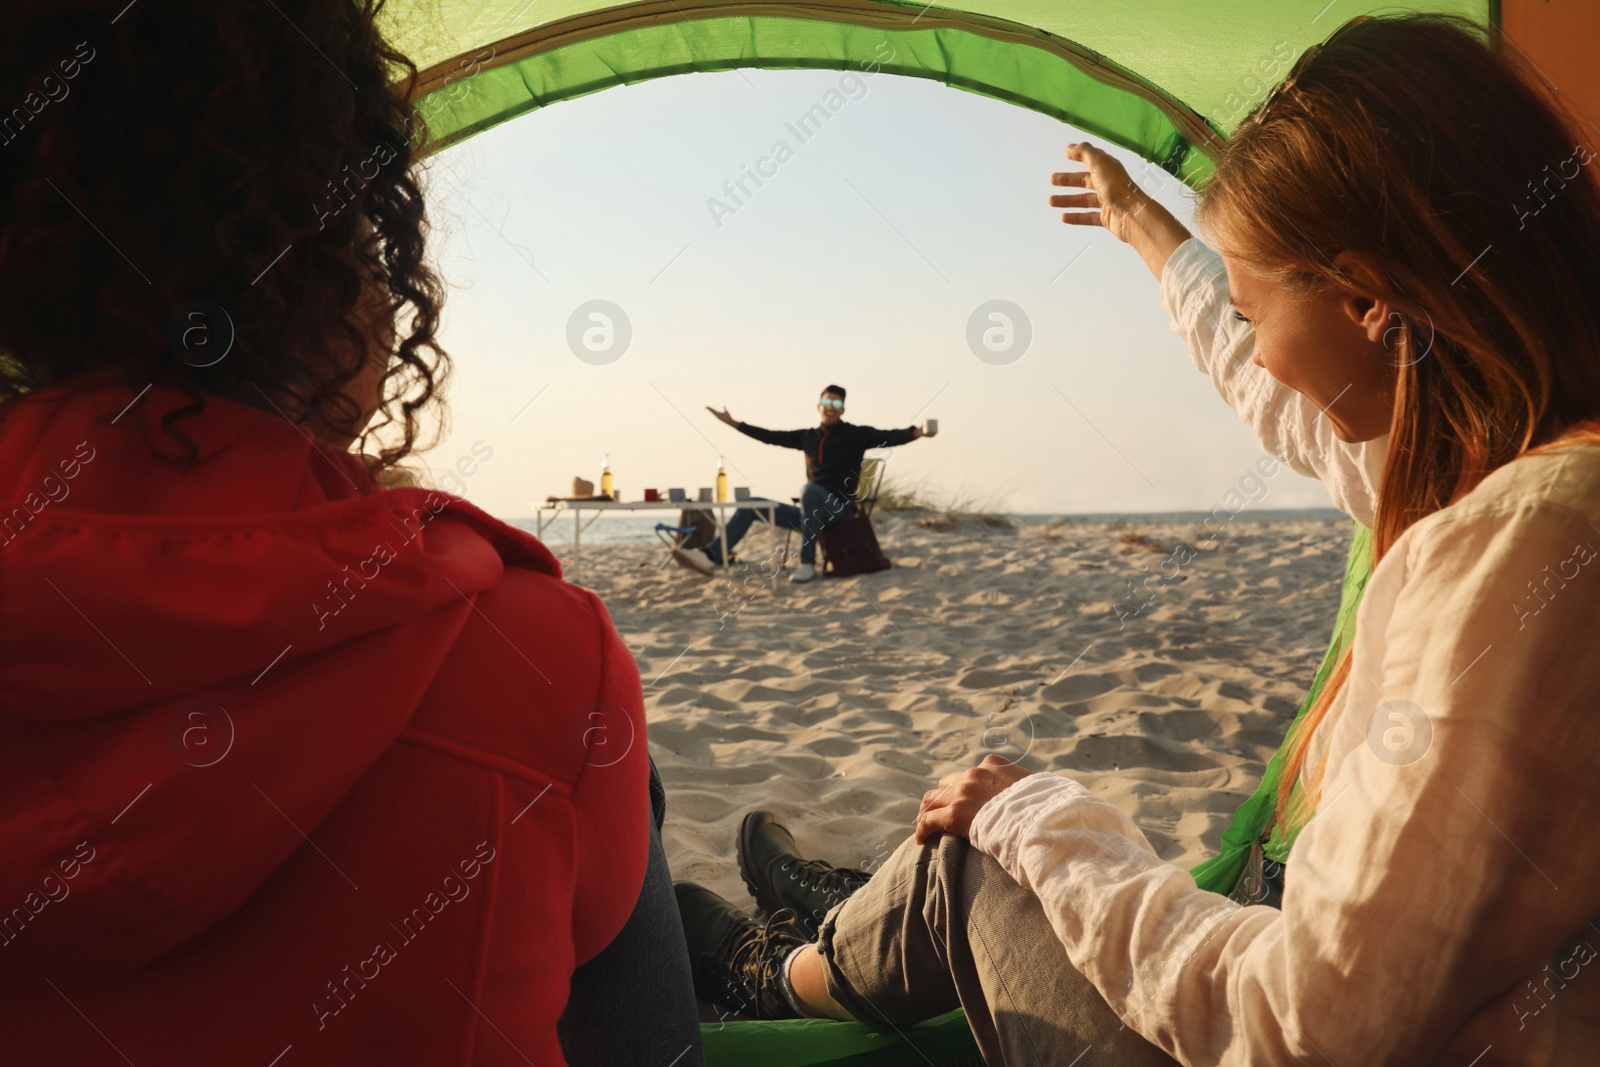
677,496
705,495
651,496
931,427
741,492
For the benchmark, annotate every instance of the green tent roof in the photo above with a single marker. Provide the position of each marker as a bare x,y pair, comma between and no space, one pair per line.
1164,78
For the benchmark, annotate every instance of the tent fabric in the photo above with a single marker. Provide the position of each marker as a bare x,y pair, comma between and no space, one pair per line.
1026,70
942,1042
1558,38
1169,95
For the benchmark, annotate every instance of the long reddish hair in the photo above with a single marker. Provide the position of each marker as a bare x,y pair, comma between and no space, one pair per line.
1428,153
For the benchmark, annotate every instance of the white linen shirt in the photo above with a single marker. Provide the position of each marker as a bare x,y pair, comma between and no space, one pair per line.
1441,906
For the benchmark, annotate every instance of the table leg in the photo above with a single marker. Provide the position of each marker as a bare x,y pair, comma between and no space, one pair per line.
722,531
577,538
783,550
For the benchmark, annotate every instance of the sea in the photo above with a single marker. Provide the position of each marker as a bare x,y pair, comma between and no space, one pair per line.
624,528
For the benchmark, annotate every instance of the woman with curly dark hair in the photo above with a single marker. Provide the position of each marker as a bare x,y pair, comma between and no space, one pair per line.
295,765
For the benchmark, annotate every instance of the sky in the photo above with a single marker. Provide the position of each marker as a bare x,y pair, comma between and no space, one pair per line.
868,256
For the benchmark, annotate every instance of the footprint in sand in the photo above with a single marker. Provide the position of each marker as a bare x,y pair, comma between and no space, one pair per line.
988,678
904,762
1079,686
833,747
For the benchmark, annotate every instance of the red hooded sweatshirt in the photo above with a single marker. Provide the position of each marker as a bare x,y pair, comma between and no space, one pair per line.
292,772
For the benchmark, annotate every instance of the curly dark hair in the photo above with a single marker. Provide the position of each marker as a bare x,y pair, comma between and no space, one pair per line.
169,164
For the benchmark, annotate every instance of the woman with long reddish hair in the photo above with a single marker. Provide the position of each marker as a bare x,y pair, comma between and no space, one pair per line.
1407,304
295,767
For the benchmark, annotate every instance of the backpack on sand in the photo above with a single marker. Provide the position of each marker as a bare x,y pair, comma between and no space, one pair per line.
850,547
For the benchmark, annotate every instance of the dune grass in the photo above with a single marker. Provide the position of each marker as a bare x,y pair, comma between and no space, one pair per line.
944,509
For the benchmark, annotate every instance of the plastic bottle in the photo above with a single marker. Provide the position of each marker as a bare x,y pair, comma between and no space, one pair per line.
605,479
722,482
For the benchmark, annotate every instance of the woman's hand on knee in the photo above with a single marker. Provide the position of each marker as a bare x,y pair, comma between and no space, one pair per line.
950,807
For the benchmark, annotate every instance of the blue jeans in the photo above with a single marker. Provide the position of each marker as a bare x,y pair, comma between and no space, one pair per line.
819,508
634,1002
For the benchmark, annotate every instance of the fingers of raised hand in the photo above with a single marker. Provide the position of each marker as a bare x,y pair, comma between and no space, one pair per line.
1076,178
1080,200
1082,218
1086,152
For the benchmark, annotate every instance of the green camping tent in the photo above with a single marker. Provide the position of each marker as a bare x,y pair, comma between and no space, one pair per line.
1168,79
1165,78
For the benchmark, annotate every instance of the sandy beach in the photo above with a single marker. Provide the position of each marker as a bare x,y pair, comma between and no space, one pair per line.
837,703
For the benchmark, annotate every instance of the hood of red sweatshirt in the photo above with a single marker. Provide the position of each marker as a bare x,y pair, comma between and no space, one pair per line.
198,660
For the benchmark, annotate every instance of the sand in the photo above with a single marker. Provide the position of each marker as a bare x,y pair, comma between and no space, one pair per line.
839,702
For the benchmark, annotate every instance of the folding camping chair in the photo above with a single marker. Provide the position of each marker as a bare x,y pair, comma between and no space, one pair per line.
670,536
695,529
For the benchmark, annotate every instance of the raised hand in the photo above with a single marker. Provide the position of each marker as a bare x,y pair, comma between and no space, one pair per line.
723,415
1113,198
1116,202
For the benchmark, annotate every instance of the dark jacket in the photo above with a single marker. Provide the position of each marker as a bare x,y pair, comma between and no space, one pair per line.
833,453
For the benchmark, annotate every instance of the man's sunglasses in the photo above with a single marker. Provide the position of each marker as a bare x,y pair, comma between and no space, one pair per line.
830,402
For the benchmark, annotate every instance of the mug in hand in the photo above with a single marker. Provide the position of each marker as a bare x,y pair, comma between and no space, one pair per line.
931,427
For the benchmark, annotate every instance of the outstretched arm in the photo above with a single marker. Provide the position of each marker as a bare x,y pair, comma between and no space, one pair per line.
781,438
890,438
1194,288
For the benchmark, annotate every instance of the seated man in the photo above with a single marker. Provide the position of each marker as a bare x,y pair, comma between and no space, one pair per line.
833,472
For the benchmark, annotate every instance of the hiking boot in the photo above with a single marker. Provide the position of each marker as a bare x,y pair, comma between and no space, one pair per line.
782,880
694,559
736,961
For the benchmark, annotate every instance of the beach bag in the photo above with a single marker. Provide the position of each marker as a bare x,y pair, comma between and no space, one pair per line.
705,524
852,548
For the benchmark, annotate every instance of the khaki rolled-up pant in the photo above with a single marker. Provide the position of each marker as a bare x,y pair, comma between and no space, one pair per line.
942,926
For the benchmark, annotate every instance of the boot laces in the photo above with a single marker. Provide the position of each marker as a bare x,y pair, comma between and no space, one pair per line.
824,877
756,960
